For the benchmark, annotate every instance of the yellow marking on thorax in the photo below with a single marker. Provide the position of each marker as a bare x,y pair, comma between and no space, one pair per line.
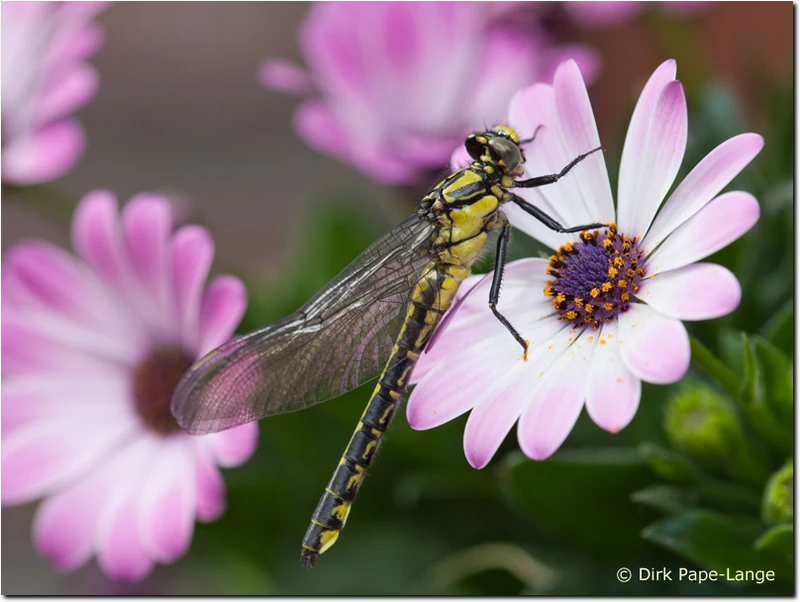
465,253
468,221
466,178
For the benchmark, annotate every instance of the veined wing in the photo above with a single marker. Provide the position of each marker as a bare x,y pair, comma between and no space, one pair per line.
340,338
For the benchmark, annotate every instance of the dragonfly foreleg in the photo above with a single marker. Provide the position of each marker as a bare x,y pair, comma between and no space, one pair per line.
553,177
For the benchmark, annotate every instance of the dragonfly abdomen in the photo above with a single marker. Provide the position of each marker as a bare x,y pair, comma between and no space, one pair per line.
334,506
432,296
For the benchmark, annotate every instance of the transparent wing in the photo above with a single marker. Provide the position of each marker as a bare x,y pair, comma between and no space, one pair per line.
340,338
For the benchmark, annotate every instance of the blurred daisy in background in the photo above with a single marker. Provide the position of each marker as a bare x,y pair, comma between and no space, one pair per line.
93,347
393,87
45,78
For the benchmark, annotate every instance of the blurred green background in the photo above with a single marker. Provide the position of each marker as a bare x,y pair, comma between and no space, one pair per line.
179,111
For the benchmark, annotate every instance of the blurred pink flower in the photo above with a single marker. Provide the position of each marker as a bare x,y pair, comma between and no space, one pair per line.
44,79
613,301
93,347
395,86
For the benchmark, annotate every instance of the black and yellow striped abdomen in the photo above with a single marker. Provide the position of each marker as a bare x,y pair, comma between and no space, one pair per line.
465,209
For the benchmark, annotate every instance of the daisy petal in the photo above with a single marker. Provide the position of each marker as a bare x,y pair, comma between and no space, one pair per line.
147,224
192,254
661,158
556,402
122,555
29,347
65,525
579,132
705,181
68,93
491,420
51,278
507,389
118,541
699,291
224,303
588,60
48,455
234,446
321,129
654,347
532,110
613,393
96,237
49,154
431,405
210,487
285,76
632,162
714,227
28,402
167,505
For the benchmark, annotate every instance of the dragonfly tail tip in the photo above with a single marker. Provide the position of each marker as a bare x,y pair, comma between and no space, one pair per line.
309,558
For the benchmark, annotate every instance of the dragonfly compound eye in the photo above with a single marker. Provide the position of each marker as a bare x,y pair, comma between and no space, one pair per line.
507,151
476,146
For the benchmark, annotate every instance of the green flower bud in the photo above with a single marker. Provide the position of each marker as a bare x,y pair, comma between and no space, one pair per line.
705,426
777,506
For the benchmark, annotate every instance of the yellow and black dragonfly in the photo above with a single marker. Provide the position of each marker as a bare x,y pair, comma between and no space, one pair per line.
372,320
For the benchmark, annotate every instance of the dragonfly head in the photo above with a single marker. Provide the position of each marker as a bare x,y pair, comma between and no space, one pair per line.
498,146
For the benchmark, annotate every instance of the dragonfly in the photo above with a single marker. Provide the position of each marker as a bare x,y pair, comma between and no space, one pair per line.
371,321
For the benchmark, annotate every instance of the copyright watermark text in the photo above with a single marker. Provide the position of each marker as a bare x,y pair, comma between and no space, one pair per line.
624,575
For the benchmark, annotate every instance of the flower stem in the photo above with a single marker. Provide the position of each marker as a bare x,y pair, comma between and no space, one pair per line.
715,368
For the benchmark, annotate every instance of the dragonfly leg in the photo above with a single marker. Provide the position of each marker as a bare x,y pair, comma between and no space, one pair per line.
553,177
549,221
533,137
497,279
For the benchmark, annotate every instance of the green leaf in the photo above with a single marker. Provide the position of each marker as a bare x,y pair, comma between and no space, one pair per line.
667,499
583,496
768,392
667,464
715,541
731,347
779,538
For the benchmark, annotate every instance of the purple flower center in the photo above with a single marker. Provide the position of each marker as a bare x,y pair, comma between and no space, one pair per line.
596,278
154,381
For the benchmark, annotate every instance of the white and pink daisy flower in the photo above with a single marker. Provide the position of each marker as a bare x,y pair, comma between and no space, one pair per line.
393,86
44,79
604,313
93,347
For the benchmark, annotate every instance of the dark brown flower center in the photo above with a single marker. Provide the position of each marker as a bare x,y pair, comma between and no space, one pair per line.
154,381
